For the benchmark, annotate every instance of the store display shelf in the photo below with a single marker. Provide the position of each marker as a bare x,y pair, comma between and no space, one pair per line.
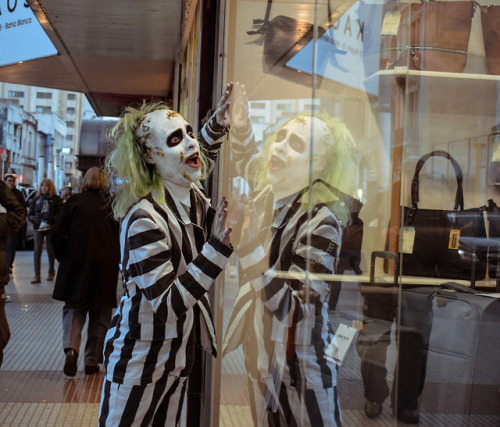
382,83
381,279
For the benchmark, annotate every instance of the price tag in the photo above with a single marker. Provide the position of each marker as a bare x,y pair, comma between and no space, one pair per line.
454,239
406,239
390,24
337,349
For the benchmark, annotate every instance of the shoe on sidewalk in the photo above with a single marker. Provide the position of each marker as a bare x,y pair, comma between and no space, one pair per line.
36,280
90,369
373,409
408,416
51,275
70,367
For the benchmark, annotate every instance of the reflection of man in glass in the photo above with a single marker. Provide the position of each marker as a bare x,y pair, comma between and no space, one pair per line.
290,233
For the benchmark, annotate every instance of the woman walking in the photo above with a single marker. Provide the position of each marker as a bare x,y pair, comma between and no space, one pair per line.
42,213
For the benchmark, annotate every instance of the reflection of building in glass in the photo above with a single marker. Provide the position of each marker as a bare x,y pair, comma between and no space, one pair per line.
267,115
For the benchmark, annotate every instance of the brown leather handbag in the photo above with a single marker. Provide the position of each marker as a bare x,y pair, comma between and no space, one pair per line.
490,21
430,36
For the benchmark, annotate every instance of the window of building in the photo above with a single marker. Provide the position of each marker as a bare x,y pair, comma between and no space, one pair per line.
70,110
258,119
68,165
284,107
71,96
44,95
15,94
69,137
258,105
70,124
42,109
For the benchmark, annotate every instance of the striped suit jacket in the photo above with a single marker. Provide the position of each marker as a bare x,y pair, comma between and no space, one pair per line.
275,270
270,312
168,263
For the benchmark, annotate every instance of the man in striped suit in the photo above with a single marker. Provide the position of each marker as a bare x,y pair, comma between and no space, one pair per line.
289,246
173,246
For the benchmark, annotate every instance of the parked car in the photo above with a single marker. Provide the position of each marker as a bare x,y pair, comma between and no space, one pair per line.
27,235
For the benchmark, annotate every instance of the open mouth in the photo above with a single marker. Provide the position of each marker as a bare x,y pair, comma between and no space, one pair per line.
276,164
194,160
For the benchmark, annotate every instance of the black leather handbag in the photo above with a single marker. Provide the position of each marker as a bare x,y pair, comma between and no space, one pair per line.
446,243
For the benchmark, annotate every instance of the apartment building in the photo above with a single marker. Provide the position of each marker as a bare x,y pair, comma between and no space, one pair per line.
56,139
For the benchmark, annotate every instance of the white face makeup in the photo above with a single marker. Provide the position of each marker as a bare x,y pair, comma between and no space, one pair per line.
289,159
169,144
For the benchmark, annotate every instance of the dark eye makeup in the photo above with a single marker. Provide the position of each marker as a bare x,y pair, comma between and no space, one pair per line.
174,138
296,143
281,135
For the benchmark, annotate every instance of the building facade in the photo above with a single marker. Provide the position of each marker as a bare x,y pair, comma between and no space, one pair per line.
50,149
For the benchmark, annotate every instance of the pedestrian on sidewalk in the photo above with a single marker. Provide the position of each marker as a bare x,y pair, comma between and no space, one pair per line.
43,211
86,244
14,238
11,219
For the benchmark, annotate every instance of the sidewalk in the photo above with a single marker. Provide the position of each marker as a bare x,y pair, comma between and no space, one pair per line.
35,392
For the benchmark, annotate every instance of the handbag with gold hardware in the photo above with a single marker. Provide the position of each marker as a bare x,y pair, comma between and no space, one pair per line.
430,36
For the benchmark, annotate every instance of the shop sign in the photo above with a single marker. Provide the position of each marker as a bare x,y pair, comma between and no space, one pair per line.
338,53
22,38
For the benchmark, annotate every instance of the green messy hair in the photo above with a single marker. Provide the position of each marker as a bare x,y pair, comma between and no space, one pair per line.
126,161
340,171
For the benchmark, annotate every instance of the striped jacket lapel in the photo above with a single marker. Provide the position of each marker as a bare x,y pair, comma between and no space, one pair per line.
206,326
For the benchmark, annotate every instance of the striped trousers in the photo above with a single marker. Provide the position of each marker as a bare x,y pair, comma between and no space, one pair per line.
304,408
155,404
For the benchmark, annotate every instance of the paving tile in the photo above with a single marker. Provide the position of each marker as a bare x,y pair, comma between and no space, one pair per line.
35,392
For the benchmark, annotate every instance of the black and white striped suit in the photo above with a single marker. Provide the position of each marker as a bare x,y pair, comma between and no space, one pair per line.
169,261
284,334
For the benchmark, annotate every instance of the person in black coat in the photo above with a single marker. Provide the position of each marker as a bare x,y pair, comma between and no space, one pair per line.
86,244
11,219
14,238
43,211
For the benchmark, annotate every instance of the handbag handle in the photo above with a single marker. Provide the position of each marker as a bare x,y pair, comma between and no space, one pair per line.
354,204
459,197
268,13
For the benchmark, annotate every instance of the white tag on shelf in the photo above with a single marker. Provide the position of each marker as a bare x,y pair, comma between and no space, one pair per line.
390,24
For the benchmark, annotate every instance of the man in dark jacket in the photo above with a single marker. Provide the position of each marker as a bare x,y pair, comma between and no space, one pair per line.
86,244
13,239
11,219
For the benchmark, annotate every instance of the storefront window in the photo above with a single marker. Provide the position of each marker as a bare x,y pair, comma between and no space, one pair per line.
362,171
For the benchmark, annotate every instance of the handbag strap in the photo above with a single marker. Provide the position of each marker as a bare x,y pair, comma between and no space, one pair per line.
268,14
459,197
268,10
354,204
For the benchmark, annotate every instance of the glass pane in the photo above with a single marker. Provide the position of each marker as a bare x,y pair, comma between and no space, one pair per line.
347,230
